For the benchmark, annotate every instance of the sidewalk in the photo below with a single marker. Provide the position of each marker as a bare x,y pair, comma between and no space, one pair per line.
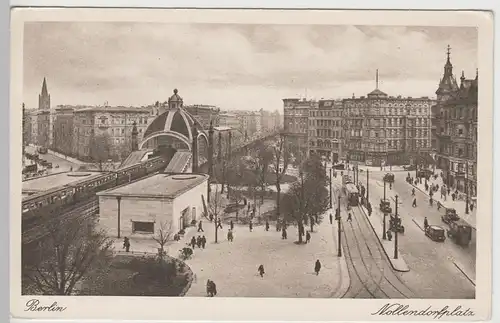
447,201
289,267
376,222
68,158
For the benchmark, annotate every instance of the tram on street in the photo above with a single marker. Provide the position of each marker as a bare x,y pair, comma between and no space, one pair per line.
352,194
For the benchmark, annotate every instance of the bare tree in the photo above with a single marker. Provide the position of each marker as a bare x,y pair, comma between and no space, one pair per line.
259,163
281,161
215,208
100,150
72,247
163,235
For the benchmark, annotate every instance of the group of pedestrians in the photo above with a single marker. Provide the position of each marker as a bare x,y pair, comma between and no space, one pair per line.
199,241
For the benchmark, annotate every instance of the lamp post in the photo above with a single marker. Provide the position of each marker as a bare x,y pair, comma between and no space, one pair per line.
384,235
367,186
396,231
331,203
466,187
338,227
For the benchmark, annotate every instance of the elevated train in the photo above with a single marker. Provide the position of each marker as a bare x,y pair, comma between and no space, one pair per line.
39,205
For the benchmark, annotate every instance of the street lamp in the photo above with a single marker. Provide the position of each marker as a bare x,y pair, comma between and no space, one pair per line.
396,231
384,235
367,186
339,253
466,187
331,206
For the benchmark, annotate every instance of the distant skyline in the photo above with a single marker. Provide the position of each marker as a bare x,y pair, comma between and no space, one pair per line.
236,67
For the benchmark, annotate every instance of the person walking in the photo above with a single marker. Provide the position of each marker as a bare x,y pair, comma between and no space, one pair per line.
193,242
414,204
267,225
203,241
200,227
198,241
283,234
426,223
349,217
209,288
308,237
413,191
250,225
230,236
231,225
389,235
331,218
317,267
126,244
219,224
261,270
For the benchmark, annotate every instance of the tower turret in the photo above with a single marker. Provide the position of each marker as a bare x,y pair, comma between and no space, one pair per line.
135,133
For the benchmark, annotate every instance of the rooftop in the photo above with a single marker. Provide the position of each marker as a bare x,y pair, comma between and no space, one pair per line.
48,182
113,109
160,185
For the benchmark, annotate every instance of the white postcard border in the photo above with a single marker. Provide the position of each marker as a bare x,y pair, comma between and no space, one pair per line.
269,309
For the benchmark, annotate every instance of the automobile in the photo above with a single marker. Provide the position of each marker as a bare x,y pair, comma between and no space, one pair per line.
450,216
385,206
460,232
389,178
339,166
395,224
57,166
435,233
49,165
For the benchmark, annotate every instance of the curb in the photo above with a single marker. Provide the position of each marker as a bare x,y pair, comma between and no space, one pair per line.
472,281
382,245
345,278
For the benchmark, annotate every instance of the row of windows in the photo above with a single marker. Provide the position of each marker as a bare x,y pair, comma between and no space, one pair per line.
325,133
388,111
458,113
325,123
324,144
332,113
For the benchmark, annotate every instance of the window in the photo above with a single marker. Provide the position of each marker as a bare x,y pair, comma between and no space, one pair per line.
460,152
143,227
460,131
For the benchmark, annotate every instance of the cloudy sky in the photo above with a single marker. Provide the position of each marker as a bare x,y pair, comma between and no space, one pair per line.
235,66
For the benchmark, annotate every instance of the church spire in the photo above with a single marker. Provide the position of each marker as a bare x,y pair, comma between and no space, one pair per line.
44,88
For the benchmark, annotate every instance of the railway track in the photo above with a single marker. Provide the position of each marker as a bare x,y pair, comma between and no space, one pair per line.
83,210
371,275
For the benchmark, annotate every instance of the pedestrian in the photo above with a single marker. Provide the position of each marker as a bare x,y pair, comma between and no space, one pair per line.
389,235
278,225
261,270
413,192
209,288
317,267
231,225
214,288
219,224
200,227
390,185
426,187
430,201
414,204
439,206
449,190
126,244
198,241
250,225
308,237
349,217
267,225
331,218
283,234
471,207
426,223
193,242
203,241
453,196
230,236
211,217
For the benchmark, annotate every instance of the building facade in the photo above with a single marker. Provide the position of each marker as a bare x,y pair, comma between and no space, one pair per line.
229,120
63,129
204,114
325,130
295,122
100,132
455,130
386,130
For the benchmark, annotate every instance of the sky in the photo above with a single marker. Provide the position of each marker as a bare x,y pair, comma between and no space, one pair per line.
235,66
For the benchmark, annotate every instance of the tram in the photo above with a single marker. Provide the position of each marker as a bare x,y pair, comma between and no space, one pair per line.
352,194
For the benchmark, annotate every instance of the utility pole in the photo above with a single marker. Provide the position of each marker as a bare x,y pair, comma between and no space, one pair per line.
466,187
396,231
331,196
339,231
384,235
367,186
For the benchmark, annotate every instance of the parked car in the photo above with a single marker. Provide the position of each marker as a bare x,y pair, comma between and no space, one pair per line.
435,233
409,168
49,165
450,216
385,206
395,224
389,178
460,232
427,173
